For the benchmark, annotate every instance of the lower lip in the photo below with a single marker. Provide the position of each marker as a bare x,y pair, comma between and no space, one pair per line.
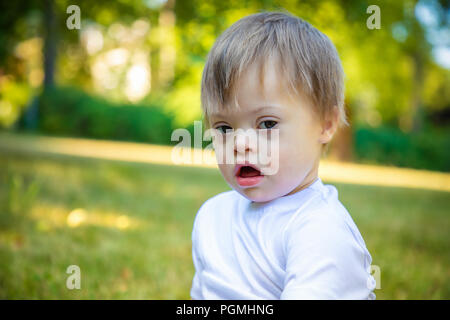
248,181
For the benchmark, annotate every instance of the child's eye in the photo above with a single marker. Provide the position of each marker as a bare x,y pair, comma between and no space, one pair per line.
224,128
268,124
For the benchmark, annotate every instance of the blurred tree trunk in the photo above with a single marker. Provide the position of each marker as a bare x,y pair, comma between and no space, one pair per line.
50,44
31,116
167,52
416,99
416,48
154,54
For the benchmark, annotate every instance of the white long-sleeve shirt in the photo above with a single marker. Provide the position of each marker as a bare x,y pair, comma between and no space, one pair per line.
300,246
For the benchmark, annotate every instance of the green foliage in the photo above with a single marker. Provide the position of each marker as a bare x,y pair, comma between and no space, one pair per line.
16,201
391,76
13,97
70,112
428,149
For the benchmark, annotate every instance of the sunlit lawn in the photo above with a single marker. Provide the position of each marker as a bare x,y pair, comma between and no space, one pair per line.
131,233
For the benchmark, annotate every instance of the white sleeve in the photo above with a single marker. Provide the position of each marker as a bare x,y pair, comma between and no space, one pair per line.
196,257
323,260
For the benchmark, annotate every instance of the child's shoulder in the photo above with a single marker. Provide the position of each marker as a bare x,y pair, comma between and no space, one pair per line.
327,221
223,198
212,206
325,211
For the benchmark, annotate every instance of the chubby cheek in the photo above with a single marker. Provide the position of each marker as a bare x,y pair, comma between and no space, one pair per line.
295,159
287,176
227,172
299,145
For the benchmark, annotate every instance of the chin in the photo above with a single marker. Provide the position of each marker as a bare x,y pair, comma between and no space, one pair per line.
256,194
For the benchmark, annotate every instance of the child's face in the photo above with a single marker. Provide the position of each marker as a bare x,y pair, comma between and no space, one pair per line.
300,135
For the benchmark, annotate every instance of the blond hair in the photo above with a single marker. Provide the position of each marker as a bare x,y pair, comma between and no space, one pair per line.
308,60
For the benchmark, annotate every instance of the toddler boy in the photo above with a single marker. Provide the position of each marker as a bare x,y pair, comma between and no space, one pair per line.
280,233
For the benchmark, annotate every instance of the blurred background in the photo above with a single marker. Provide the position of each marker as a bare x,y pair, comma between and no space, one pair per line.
131,73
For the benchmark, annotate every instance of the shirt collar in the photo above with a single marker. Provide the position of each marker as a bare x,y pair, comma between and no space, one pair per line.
292,201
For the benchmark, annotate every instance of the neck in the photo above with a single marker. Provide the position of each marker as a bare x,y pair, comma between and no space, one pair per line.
310,178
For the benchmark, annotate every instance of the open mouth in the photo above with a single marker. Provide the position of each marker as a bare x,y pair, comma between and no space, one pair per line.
248,175
248,171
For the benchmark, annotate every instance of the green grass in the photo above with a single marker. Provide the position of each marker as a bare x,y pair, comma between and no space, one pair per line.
405,230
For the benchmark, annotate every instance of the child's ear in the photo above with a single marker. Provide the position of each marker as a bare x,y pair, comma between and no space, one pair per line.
329,126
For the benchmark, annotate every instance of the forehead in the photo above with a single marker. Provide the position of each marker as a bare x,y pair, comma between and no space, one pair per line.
259,88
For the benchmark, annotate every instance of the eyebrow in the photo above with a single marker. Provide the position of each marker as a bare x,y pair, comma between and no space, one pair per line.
265,107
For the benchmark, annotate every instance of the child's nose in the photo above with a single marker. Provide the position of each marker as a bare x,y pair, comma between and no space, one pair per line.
244,143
